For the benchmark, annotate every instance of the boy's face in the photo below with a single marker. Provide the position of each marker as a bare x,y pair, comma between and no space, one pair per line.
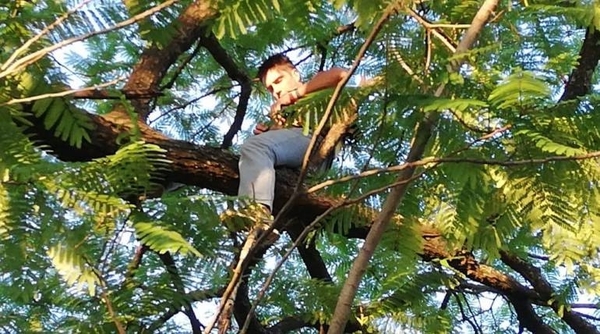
280,80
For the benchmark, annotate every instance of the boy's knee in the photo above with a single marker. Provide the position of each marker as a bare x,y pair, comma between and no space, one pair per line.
254,146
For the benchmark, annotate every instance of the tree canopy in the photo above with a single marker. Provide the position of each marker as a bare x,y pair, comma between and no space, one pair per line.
467,202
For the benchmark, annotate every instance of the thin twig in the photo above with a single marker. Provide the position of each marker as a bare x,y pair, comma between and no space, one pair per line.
111,312
192,101
583,305
109,246
228,297
429,27
465,318
398,168
44,31
32,58
181,67
406,67
60,94
104,296
589,316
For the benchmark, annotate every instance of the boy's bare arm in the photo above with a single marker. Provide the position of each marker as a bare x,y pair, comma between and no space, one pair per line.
322,80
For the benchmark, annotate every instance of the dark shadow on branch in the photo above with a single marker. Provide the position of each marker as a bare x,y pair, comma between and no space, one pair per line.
171,267
310,256
535,277
580,81
235,72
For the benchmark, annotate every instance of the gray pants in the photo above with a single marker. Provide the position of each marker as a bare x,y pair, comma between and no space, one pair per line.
260,154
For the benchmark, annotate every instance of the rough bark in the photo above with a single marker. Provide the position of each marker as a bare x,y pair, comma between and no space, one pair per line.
155,60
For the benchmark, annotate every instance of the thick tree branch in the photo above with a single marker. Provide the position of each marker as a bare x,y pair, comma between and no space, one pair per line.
155,61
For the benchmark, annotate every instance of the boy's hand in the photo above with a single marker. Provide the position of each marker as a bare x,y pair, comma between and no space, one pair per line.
275,115
260,128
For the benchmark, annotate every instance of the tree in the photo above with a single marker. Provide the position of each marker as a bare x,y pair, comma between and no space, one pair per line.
477,162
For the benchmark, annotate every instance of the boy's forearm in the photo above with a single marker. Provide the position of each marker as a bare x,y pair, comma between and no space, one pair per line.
323,80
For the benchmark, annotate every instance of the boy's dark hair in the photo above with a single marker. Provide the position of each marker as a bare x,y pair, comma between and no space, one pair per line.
274,61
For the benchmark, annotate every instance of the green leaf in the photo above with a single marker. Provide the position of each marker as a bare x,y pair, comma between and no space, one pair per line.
519,89
162,240
73,268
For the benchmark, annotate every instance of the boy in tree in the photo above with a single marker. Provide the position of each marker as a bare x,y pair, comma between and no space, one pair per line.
278,144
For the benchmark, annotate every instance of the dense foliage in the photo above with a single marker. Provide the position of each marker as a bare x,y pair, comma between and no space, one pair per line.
105,104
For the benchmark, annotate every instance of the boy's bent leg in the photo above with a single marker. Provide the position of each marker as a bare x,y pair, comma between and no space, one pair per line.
259,156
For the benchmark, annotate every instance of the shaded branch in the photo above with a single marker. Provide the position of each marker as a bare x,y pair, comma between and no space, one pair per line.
535,277
171,267
235,72
311,257
193,296
241,310
580,80
294,323
287,325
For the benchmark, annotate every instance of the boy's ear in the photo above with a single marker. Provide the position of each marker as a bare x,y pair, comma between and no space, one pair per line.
296,75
